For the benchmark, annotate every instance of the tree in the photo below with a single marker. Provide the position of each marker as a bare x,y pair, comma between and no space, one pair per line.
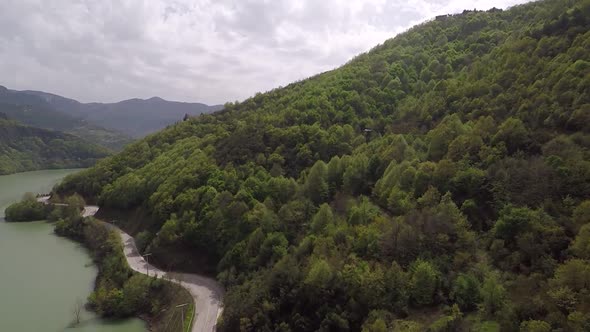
578,321
335,174
378,325
581,245
466,292
281,189
444,133
316,184
512,221
399,202
564,298
581,215
27,210
424,282
449,322
513,134
77,312
320,274
355,175
363,213
322,219
575,274
397,288
535,326
493,295
135,294
273,248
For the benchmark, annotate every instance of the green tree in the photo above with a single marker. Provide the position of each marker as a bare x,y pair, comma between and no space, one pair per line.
466,292
320,274
493,295
135,295
355,175
512,221
513,133
575,274
322,219
581,215
27,210
316,184
273,248
581,245
424,281
397,288
535,326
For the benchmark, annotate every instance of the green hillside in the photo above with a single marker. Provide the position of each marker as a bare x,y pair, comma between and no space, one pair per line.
442,181
24,148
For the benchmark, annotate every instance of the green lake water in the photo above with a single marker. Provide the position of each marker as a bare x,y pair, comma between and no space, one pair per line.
43,276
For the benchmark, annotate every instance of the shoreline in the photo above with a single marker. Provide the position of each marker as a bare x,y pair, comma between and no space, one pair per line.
151,321
206,293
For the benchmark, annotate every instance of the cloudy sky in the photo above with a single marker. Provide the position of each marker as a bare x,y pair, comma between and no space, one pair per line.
210,51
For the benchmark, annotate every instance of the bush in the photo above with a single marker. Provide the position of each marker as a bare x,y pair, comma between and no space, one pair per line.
27,210
143,240
448,323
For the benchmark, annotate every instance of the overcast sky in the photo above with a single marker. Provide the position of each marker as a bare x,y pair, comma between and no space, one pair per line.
209,51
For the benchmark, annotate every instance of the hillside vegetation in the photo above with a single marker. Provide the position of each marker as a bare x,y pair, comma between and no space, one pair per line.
441,181
24,148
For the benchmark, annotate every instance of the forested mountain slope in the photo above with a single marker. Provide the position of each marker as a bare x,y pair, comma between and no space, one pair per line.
136,117
442,180
24,148
34,111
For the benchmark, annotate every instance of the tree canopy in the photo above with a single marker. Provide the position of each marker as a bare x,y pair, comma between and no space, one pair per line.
446,171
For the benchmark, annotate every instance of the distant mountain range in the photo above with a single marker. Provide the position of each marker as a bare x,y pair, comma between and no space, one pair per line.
41,130
111,125
134,117
34,111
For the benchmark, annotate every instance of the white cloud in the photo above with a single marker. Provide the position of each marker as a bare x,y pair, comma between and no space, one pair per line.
195,50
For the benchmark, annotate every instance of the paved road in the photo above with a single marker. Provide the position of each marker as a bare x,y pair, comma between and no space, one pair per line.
206,292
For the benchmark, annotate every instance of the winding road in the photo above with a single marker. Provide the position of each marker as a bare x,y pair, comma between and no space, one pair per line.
206,292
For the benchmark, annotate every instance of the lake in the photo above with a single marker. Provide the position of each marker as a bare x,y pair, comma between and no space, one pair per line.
43,276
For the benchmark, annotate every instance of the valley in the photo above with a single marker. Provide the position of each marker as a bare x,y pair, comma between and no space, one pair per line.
438,182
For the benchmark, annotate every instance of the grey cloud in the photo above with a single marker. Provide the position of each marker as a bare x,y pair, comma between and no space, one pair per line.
194,50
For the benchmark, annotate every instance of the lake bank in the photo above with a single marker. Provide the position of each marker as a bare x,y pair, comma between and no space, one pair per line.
43,276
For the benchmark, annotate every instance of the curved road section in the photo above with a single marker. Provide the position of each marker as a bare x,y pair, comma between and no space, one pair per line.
206,292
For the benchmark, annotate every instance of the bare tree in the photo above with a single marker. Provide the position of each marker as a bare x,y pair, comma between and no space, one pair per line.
77,311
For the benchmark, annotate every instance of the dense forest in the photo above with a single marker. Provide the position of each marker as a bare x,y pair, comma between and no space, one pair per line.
440,181
24,148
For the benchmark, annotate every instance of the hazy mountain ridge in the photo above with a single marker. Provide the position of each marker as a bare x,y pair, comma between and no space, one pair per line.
35,111
135,117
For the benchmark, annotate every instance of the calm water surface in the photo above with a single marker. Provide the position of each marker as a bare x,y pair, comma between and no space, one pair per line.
42,276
